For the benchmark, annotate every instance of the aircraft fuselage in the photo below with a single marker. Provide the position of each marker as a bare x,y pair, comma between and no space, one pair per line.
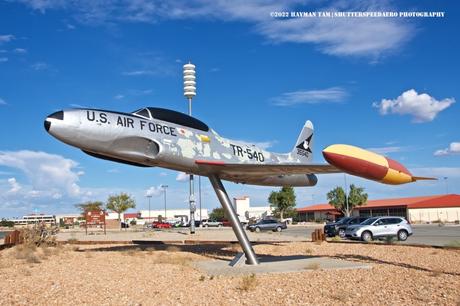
149,142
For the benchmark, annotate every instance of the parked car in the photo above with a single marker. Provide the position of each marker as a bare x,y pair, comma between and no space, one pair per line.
339,227
380,227
267,225
209,223
161,225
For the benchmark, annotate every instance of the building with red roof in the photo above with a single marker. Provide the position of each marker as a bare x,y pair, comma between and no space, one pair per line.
436,208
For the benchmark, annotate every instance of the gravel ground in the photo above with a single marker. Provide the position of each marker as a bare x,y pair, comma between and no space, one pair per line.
134,275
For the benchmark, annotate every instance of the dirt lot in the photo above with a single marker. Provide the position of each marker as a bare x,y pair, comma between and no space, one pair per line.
141,275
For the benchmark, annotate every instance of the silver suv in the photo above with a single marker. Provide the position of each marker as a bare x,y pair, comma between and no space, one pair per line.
379,227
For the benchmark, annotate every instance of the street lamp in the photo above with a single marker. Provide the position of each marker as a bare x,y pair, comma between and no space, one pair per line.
164,192
447,186
346,195
149,197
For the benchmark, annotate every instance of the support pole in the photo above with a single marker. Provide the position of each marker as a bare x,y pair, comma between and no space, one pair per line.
192,205
189,93
251,258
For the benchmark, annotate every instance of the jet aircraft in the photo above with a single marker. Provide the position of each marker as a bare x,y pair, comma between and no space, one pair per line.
158,137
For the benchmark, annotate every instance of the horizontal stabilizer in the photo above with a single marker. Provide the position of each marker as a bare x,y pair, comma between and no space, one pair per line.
217,166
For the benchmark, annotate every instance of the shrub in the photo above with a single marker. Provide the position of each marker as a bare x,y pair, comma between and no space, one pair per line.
248,282
6,223
39,235
26,252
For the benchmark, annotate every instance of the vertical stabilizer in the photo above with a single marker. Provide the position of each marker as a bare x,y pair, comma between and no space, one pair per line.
303,149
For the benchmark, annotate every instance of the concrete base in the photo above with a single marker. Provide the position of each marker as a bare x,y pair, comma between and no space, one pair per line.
276,264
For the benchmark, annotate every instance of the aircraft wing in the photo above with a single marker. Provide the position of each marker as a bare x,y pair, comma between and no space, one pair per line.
265,169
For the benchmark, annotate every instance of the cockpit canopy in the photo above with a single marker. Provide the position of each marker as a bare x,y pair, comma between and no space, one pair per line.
171,116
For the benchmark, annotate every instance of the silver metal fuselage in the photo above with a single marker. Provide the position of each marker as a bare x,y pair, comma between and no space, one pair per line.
149,142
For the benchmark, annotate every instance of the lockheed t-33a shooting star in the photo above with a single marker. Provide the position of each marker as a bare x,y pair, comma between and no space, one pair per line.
157,137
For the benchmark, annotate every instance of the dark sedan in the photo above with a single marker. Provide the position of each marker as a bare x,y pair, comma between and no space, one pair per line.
267,225
339,227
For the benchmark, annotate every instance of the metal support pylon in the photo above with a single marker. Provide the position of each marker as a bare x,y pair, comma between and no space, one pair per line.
251,258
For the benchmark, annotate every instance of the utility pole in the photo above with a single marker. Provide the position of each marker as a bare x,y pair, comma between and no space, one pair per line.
346,194
149,197
164,192
189,93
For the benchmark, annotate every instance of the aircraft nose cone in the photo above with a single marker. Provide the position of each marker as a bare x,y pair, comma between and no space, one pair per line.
56,115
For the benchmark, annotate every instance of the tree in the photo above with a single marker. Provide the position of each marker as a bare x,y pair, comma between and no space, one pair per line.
90,206
6,223
120,203
217,214
283,201
338,198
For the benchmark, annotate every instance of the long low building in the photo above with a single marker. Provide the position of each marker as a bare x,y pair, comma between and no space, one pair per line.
436,208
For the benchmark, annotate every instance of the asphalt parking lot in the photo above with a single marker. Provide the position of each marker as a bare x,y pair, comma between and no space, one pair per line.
427,234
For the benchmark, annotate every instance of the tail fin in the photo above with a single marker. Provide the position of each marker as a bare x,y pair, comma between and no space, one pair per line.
303,149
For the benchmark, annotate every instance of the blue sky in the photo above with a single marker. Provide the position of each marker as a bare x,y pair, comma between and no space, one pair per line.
388,84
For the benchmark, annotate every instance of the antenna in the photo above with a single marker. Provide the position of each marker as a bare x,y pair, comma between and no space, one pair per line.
189,93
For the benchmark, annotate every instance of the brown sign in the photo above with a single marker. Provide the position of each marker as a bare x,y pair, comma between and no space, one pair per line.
68,220
95,217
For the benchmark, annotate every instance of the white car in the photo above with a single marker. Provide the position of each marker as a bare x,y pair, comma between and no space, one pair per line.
379,227
209,223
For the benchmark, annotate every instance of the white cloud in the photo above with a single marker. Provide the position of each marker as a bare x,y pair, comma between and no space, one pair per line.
46,172
70,26
386,150
154,191
264,145
332,94
2,102
454,148
40,66
139,72
6,38
139,92
182,177
119,97
336,36
3,59
20,50
14,185
422,107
